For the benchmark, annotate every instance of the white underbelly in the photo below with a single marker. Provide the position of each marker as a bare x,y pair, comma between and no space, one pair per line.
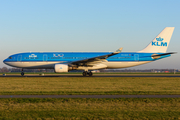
113,65
50,65
33,65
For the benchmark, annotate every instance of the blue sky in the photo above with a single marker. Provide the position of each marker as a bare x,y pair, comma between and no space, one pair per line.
82,25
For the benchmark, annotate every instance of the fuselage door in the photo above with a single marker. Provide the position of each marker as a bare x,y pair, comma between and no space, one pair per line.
136,57
45,57
19,58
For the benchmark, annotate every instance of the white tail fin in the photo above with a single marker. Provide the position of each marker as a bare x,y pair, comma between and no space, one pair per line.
161,42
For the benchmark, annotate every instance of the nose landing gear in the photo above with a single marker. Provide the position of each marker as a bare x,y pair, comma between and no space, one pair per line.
85,73
22,73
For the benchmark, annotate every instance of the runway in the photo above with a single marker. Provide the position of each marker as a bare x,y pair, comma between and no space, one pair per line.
95,75
89,96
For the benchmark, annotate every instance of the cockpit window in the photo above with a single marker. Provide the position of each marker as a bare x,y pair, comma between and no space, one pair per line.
10,57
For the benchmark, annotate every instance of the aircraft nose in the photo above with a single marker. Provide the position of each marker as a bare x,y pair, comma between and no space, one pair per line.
5,61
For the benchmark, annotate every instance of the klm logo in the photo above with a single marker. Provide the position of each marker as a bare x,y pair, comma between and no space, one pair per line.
32,55
159,39
159,42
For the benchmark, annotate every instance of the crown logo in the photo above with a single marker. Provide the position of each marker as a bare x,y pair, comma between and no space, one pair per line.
159,39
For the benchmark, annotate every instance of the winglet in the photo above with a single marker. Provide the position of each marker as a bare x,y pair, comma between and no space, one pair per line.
119,50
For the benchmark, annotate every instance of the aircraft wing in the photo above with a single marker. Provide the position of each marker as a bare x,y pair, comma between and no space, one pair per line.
95,59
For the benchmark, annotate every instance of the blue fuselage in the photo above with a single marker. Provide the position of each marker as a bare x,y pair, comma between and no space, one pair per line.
52,58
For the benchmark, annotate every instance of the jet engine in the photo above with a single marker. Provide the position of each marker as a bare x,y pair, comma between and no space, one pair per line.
58,68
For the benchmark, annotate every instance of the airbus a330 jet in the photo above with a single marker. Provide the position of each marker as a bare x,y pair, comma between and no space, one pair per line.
89,61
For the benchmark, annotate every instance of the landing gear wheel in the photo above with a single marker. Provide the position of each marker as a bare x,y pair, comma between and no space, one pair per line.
84,73
22,73
90,73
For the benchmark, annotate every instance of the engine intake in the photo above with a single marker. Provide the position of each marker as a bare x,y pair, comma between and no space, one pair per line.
58,68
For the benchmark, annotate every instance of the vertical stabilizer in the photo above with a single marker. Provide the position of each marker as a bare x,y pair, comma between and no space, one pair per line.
160,43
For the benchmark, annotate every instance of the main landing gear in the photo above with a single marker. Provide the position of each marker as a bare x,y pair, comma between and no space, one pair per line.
22,73
85,73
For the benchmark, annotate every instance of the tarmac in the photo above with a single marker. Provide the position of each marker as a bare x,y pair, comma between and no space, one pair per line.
90,96
95,75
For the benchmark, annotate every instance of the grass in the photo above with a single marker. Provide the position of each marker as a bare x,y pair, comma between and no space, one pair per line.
122,108
89,85
89,108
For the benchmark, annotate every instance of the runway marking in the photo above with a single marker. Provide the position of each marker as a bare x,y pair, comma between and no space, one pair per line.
89,96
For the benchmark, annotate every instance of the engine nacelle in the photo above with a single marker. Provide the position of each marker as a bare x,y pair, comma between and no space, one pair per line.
58,68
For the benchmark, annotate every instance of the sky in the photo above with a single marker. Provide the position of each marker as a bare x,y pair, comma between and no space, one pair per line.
88,25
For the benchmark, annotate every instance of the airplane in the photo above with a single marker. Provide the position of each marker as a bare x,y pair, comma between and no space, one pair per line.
89,61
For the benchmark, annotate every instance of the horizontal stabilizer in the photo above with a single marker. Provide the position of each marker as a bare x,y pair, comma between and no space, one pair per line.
164,54
156,56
